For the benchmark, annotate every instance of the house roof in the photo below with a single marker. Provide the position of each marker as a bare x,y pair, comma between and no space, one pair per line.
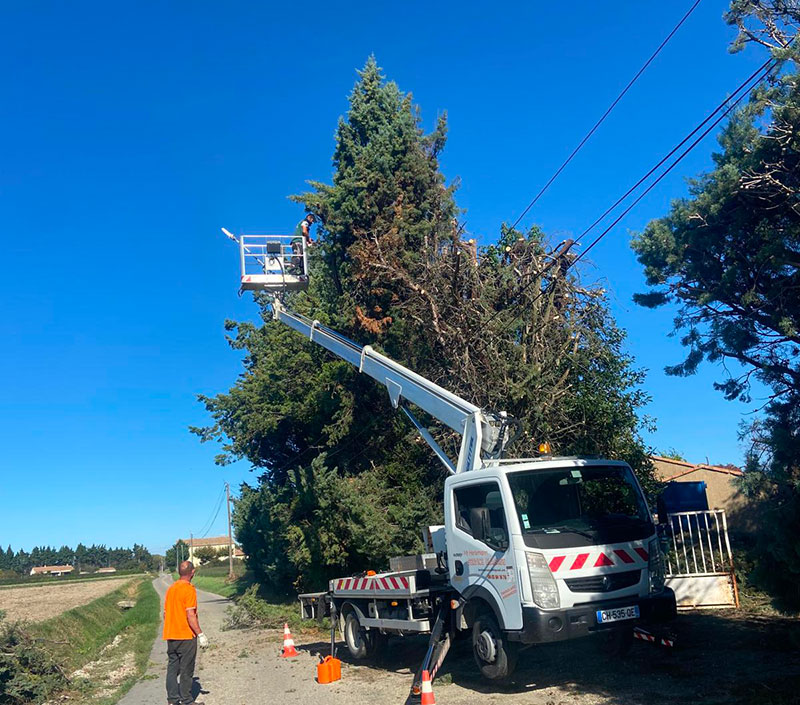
687,468
208,541
52,568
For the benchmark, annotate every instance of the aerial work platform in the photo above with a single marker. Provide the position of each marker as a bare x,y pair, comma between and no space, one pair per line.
274,263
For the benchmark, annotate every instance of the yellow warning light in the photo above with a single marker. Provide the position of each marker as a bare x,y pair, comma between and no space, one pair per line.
544,448
371,572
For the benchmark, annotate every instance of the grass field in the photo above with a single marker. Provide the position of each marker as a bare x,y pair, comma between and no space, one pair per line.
111,647
101,648
29,580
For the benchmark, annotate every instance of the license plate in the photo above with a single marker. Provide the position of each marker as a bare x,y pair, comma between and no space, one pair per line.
618,614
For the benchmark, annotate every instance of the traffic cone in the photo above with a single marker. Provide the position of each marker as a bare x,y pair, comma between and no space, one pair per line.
288,650
427,690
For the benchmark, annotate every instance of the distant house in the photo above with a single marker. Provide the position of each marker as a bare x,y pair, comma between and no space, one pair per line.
718,482
220,543
106,570
52,570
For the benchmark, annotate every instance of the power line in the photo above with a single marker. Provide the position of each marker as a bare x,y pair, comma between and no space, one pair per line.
216,514
209,522
605,114
754,78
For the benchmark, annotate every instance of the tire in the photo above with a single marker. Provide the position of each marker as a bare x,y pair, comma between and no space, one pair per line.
496,657
615,642
355,636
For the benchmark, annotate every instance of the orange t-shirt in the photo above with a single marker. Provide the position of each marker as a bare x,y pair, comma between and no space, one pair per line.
181,596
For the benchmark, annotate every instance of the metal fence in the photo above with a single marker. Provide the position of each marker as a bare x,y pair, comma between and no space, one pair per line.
700,544
699,559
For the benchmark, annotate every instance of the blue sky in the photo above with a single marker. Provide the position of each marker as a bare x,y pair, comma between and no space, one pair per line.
130,133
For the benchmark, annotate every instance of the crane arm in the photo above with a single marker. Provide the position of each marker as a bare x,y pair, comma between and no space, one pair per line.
480,431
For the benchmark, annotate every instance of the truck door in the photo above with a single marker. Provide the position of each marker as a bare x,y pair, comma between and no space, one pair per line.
480,559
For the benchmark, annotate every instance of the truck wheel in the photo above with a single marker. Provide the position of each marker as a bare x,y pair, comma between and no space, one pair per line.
355,636
495,656
615,642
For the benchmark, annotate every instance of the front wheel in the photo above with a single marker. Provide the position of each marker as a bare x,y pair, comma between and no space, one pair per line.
615,642
496,657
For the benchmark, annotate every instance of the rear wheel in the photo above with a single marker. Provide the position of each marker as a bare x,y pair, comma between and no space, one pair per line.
496,657
355,637
361,643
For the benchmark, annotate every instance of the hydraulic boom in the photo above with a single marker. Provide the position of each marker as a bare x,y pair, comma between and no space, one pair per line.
484,434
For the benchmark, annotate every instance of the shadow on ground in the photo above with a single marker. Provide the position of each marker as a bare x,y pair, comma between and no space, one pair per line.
721,657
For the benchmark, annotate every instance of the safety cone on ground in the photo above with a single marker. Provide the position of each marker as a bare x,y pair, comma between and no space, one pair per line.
427,690
288,650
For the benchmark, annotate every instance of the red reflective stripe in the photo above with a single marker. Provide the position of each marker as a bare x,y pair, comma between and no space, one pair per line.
580,559
555,563
643,554
624,555
602,560
404,581
395,585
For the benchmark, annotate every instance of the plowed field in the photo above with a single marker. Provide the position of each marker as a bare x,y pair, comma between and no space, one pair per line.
39,602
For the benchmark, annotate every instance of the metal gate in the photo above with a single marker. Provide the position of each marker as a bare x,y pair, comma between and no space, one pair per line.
699,560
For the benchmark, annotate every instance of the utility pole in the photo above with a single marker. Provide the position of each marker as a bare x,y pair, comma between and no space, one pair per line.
191,547
230,533
177,559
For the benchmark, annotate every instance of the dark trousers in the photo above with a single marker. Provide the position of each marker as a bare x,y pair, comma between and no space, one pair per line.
181,655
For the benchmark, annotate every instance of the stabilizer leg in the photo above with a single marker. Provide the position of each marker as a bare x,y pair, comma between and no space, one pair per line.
438,646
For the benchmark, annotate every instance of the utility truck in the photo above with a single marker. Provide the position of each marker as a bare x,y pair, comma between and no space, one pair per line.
530,551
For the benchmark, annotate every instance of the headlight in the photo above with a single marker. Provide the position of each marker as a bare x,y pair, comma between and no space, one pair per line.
545,590
655,566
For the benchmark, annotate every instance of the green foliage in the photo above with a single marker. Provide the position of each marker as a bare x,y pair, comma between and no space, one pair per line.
81,558
175,554
673,454
345,483
28,673
252,610
728,256
206,554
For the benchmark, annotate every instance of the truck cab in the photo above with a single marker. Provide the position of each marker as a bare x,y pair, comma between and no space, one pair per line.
545,550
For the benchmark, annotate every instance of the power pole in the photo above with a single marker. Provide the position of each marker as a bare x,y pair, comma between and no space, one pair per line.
230,533
191,547
177,559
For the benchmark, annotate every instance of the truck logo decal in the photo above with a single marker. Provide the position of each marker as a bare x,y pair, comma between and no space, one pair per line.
508,592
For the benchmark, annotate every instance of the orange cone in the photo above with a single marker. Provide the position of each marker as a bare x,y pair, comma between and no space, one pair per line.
288,650
427,690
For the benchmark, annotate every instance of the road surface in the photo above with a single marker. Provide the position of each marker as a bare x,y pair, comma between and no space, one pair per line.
724,657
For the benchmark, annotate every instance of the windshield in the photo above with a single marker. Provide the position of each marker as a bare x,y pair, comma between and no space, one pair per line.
576,506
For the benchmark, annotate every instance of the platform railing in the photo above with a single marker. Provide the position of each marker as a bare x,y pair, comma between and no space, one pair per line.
284,255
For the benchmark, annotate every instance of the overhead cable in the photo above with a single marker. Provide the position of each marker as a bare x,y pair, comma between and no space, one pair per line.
605,114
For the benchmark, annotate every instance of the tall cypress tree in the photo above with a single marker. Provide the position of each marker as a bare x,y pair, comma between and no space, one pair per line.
344,483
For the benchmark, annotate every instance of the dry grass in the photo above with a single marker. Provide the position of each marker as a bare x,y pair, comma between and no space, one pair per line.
37,603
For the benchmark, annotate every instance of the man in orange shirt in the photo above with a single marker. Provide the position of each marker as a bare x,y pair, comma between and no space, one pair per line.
183,634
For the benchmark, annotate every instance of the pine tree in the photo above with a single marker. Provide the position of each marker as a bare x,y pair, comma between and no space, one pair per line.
344,482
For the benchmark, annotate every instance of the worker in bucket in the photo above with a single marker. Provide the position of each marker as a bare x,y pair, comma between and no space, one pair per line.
183,635
302,234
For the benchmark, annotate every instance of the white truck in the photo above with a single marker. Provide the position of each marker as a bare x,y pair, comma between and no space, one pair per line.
532,550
